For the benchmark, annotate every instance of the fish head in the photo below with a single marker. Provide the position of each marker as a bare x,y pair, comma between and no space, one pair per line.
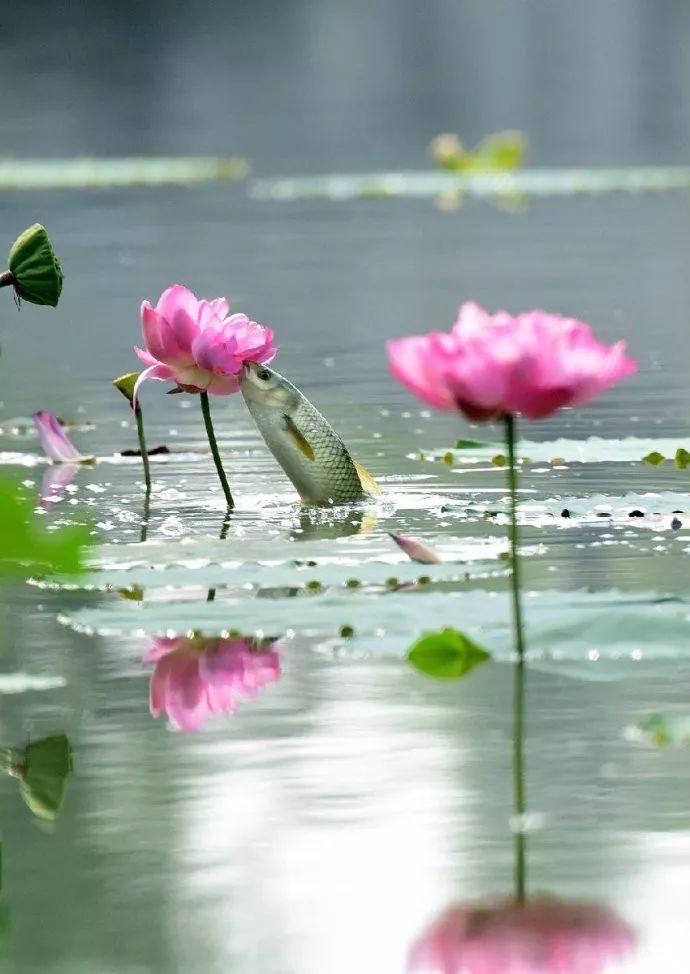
262,385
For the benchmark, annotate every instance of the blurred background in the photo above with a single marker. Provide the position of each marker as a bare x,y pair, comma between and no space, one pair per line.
313,85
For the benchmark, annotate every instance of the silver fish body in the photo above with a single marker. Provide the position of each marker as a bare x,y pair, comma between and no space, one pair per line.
303,442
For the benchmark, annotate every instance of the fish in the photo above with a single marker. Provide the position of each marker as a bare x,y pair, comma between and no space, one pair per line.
303,442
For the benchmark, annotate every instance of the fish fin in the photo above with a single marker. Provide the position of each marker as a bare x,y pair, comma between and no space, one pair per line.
366,480
369,522
298,438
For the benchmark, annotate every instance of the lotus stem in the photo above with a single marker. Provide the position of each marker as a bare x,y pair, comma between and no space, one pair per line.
519,684
145,517
142,447
519,823
211,597
206,412
514,536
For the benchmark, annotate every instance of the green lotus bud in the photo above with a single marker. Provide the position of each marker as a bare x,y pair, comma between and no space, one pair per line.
126,385
34,269
43,769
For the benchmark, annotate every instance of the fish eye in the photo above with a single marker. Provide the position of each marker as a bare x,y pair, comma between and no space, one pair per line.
263,374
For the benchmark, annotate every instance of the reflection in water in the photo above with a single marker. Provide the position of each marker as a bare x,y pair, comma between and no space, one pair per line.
43,768
540,936
54,481
336,523
5,914
225,527
521,934
196,677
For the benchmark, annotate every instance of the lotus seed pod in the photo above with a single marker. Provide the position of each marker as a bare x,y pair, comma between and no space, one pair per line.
36,272
126,385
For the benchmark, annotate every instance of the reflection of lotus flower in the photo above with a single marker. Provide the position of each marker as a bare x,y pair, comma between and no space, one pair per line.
197,677
55,442
54,481
543,936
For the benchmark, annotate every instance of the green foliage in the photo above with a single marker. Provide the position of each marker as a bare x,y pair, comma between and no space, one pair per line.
560,452
133,593
471,444
27,547
682,458
446,655
472,182
129,581
663,730
500,152
503,151
126,383
45,769
36,269
85,173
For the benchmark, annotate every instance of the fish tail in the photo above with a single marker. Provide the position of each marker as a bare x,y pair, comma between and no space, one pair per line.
369,484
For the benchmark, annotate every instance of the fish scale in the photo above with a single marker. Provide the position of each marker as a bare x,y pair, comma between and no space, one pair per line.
333,467
330,476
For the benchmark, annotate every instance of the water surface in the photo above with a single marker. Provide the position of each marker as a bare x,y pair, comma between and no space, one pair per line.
326,822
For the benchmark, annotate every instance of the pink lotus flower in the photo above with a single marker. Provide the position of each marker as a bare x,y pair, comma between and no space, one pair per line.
197,677
197,345
543,936
488,365
55,442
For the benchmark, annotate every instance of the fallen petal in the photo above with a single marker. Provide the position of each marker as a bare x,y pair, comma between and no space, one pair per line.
55,442
415,550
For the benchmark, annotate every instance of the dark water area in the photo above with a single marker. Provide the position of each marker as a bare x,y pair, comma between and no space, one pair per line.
319,828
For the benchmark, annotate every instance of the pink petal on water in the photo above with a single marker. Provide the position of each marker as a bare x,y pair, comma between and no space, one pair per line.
415,550
54,440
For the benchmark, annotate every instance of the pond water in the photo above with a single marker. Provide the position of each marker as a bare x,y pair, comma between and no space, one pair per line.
326,822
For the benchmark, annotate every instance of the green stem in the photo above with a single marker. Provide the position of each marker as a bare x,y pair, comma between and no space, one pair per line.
519,782
206,412
519,685
511,438
225,527
142,447
145,517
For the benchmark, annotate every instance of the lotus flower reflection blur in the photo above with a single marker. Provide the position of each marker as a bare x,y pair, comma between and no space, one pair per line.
197,344
54,481
196,677
55,442
542,936
491,365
